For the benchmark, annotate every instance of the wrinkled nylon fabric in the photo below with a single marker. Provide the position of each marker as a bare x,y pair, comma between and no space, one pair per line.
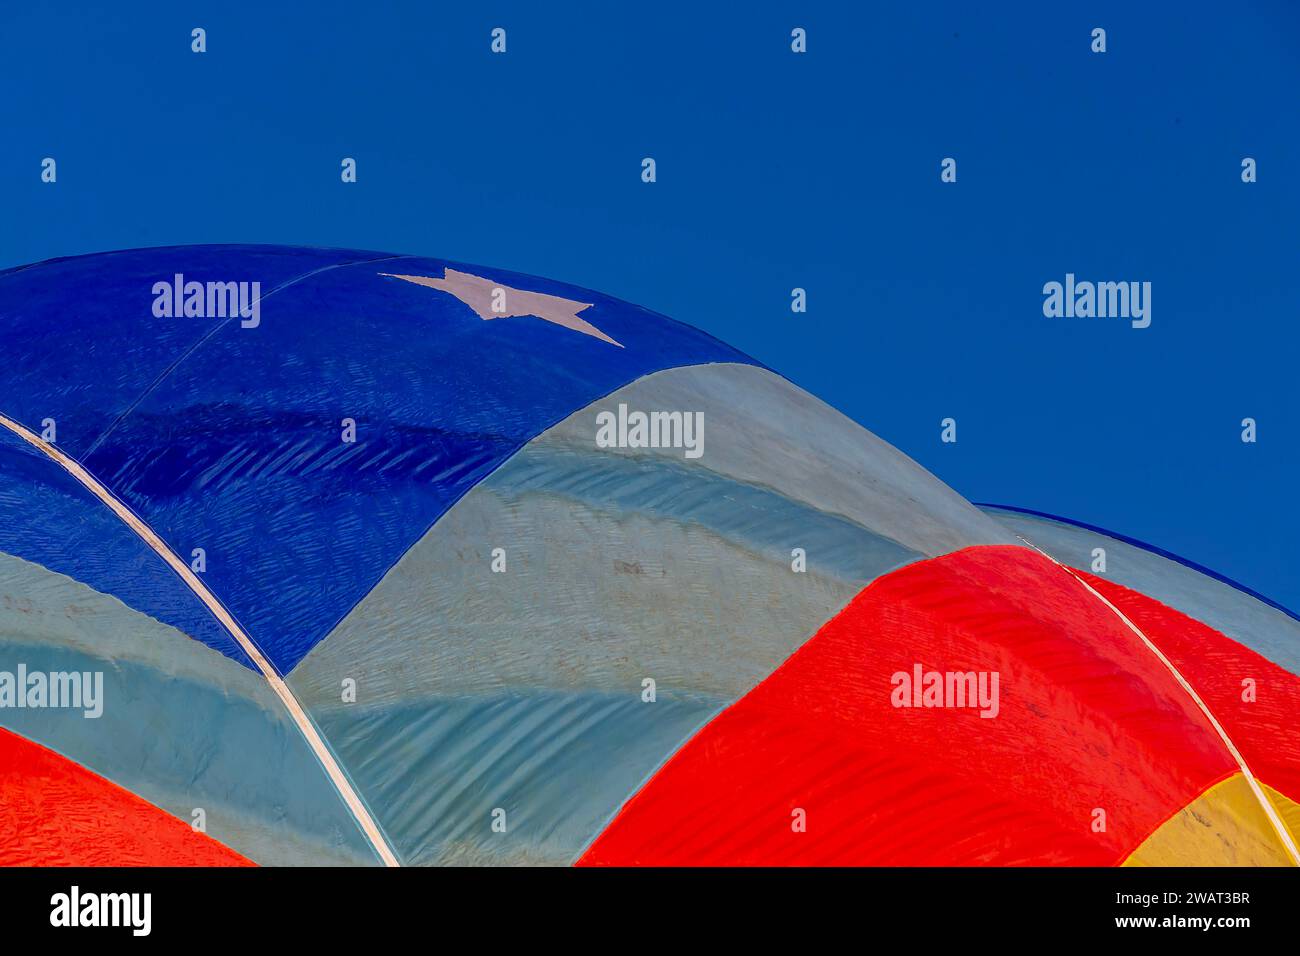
1088,720
235,445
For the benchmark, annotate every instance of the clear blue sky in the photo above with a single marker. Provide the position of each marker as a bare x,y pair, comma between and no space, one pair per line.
774,171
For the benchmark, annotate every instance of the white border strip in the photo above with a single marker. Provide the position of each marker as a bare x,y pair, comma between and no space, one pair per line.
291,703
1283,833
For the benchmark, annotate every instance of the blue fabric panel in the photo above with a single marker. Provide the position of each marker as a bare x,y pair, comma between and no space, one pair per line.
48,518
559,764
81,343
228,438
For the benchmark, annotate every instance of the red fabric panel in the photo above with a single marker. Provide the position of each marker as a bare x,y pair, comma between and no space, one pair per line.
1089,718
54,812
1265,730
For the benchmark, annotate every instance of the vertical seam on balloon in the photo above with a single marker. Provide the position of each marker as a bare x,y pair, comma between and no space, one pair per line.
1269,810
351,799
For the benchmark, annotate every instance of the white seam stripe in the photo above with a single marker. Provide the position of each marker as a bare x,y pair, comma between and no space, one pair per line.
1270,811
295,709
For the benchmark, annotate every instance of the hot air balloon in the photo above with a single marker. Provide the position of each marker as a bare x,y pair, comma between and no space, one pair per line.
318,556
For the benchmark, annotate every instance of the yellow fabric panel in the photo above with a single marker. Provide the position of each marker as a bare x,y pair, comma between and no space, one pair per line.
1287,809
1224,826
